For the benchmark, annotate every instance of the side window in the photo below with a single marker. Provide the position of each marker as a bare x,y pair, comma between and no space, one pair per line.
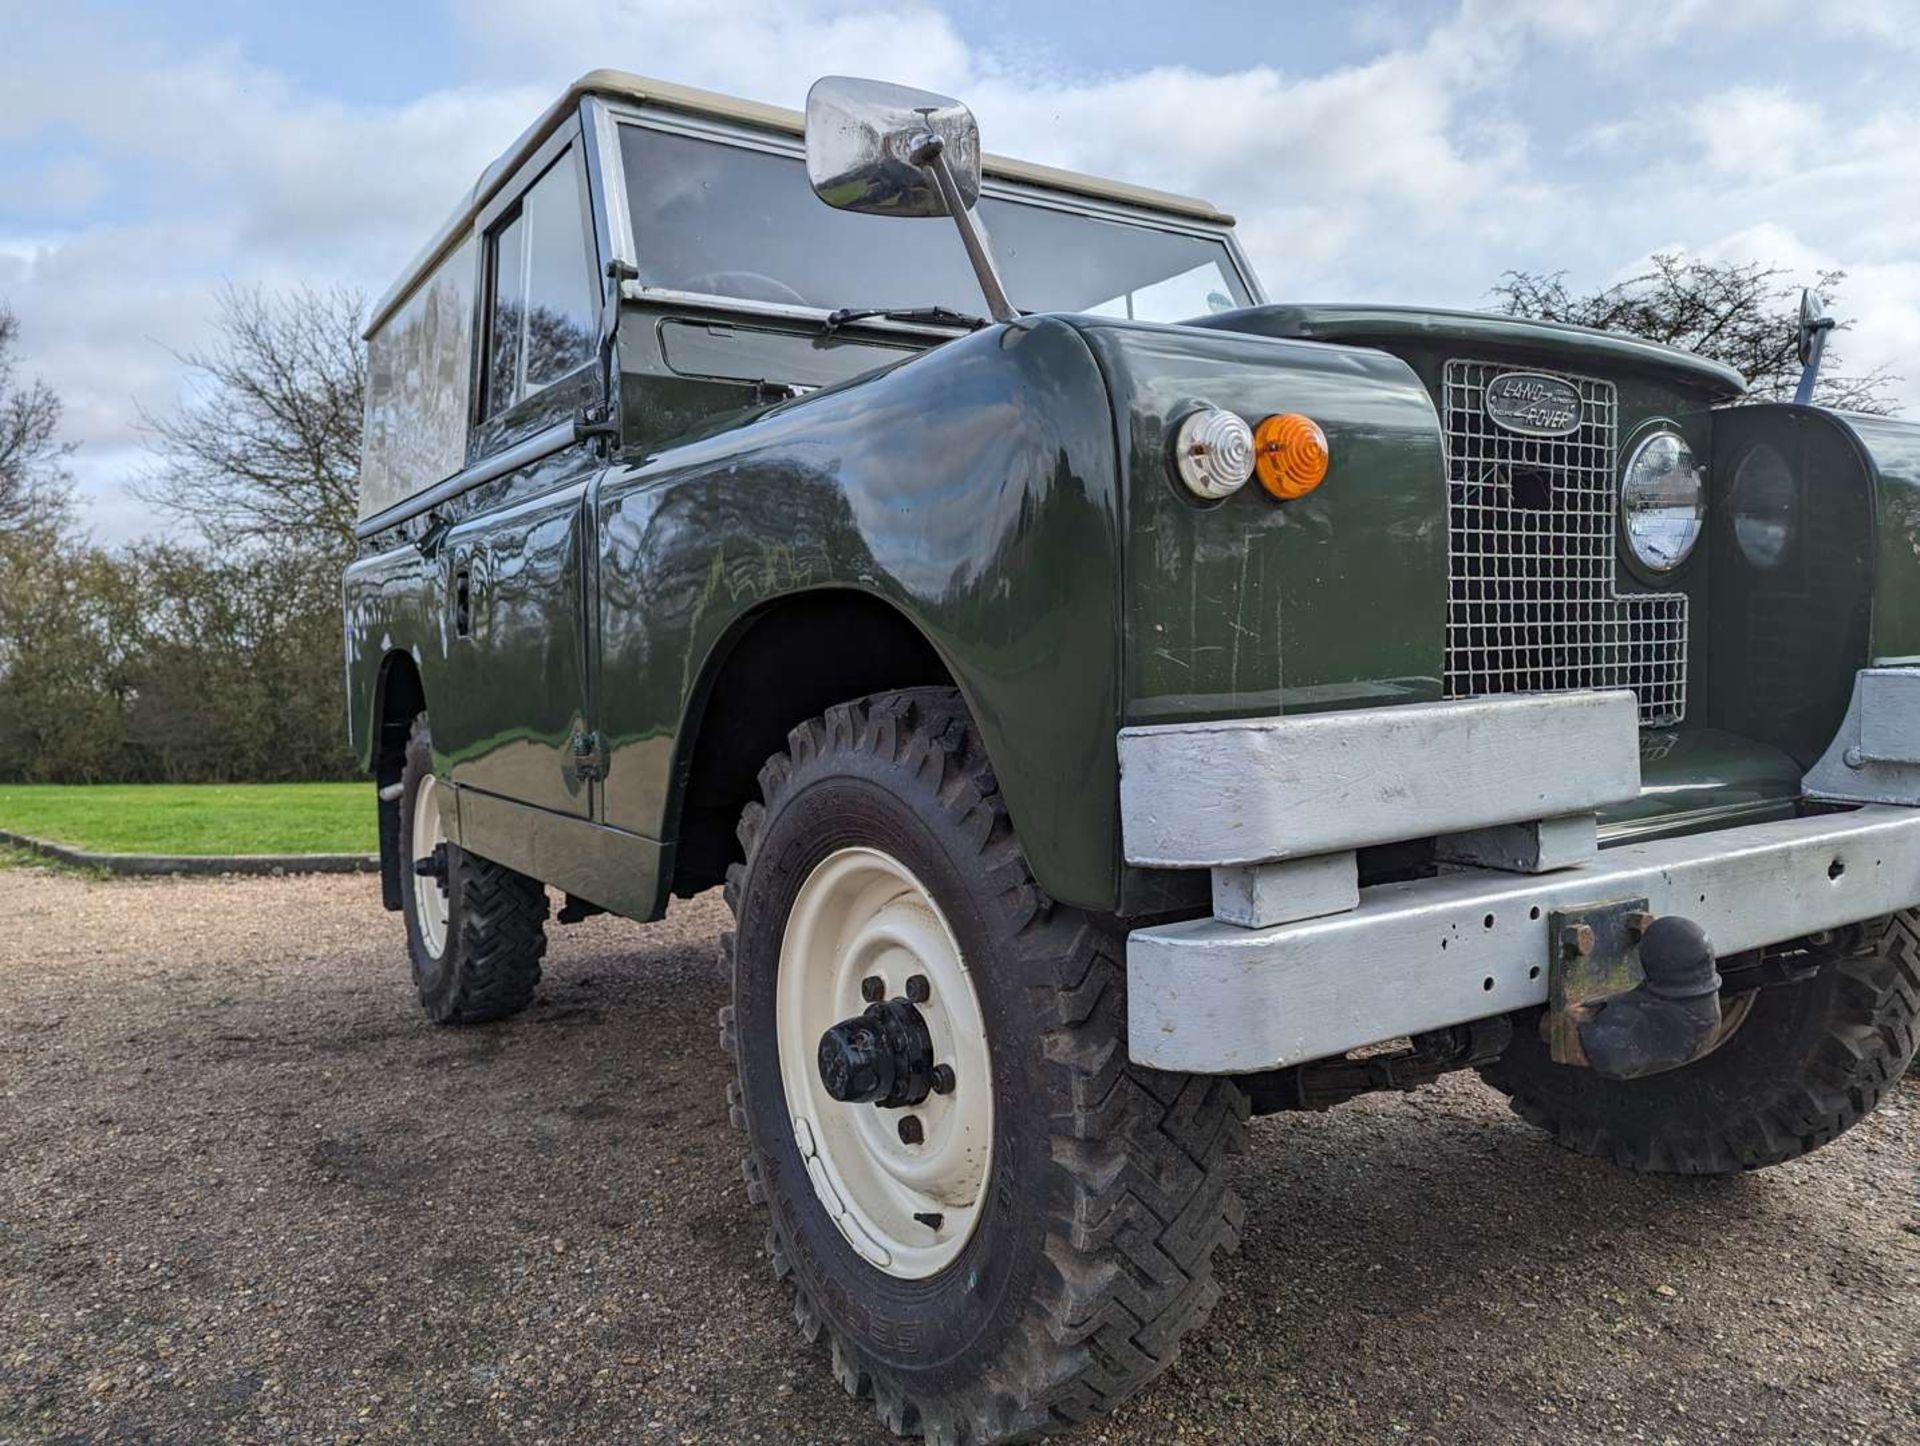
419,386
540,316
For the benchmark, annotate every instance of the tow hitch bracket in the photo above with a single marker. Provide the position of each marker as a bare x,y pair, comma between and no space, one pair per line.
1628,994
1596,957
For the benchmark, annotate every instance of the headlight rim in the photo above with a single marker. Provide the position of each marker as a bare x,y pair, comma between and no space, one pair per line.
1650,570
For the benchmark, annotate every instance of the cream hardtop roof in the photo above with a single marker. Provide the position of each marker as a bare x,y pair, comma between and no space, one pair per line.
620,85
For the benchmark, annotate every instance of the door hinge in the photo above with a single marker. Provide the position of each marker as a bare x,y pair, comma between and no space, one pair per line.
589,758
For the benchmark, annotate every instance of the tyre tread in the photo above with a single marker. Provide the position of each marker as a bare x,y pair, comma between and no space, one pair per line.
501,935
1149,1206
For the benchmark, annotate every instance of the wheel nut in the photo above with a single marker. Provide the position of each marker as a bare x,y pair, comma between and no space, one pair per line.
912,1132
943,1079
918,990
873,989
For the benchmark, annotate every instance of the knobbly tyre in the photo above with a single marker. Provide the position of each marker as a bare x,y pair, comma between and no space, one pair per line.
1111,704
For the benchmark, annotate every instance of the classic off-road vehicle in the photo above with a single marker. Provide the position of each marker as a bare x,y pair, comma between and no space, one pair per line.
1136,706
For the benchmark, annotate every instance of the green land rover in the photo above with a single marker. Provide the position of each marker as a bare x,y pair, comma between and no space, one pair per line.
1112,705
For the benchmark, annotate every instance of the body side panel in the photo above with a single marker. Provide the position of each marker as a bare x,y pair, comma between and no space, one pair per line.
393,604
517,678
972,489
1893,448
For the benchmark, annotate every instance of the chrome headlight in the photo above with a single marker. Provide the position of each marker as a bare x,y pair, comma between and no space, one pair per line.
1766,504
1663,501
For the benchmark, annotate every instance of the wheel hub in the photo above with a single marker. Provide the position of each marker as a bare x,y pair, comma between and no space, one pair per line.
430,866
883,1056
876,1007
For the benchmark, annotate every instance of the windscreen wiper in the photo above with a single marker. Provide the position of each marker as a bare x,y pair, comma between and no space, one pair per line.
938,315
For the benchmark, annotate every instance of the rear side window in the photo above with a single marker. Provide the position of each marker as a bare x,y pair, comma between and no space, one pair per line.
418,370
543,302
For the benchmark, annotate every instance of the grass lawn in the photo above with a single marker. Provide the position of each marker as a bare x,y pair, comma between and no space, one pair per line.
195,818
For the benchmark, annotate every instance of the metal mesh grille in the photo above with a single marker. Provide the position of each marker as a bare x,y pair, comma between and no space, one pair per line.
1531,604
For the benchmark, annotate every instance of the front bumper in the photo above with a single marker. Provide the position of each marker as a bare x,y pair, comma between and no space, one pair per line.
1213,998
1291,970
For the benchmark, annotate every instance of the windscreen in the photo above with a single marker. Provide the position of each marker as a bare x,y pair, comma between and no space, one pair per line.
728,221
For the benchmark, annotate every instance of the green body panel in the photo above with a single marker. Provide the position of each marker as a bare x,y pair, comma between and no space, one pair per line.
1892,449
973,490
988,492
510,695
1699,778
1252,606
1407,330
1784,641
688,371
393,607
507,695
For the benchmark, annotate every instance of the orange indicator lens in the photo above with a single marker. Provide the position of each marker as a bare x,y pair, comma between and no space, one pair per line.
1290,455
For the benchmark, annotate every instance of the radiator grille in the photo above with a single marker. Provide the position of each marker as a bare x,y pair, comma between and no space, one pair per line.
1532,606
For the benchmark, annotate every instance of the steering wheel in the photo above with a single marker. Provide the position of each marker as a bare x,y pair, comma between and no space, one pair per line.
747,285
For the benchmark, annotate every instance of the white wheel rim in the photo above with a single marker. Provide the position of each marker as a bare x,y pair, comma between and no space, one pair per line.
429,896
862,914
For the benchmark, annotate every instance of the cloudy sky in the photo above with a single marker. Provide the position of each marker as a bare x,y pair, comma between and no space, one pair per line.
1394,151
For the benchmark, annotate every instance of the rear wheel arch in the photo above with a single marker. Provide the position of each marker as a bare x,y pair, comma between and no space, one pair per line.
398,698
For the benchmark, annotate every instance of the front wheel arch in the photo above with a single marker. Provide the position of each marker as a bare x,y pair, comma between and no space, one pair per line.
778,666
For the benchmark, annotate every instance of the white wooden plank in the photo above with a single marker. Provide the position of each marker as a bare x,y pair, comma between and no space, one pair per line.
1255,896
1254,790
1538,846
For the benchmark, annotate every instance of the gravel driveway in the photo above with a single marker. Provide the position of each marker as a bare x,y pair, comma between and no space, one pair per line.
246,1193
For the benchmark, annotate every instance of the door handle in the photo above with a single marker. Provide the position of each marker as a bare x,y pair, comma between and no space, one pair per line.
463,600
433,534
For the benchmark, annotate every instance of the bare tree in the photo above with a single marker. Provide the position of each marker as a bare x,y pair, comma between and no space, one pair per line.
1742,314
33,480
266,447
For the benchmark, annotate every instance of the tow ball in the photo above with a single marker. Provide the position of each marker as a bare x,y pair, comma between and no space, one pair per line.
883,1056
1630,994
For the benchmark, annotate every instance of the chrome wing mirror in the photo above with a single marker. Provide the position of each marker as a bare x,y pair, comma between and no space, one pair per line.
1811,344
890,150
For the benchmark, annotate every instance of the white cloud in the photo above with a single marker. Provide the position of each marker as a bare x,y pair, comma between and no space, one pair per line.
1764,175
1418,174
1754,133
768,50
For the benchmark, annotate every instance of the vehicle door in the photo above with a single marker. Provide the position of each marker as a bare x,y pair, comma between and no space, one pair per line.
513,720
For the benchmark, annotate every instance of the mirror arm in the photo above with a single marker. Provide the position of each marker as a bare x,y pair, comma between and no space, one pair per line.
1814,326
929,153
1810,373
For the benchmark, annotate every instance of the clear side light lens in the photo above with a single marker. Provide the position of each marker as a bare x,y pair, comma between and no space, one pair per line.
1663,501
1213,453
1766,506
